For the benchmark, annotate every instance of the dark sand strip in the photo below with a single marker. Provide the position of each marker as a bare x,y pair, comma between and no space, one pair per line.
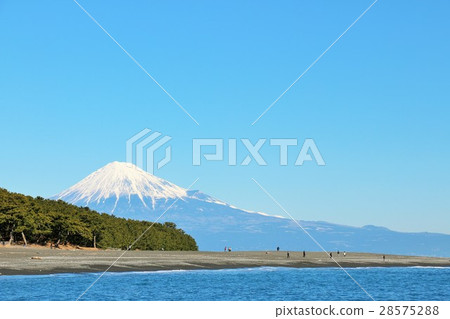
32,261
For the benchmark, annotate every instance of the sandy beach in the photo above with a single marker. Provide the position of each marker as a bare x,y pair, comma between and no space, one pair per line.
32,261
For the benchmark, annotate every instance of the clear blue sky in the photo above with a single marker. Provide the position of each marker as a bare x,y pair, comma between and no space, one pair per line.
377,104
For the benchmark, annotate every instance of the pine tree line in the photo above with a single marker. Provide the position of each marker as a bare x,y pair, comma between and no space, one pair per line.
42,221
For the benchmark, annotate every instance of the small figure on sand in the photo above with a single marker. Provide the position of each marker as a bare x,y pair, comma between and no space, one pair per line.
384,258
345,254
288,255
338,252
331,255
278,248
225,249
229,249
304,254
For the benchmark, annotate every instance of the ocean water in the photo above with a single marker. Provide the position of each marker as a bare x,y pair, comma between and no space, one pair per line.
264,283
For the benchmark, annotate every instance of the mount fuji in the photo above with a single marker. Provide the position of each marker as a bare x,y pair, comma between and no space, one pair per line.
127,191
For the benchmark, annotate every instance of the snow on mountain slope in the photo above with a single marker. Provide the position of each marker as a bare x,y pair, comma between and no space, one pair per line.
120,180
126,191
125,188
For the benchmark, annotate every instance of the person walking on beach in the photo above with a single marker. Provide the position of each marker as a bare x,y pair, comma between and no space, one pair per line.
331,255
304,254
288,255
278,248
345,254
384,258
225,249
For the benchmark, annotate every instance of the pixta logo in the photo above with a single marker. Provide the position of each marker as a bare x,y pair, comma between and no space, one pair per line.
141,149
308,152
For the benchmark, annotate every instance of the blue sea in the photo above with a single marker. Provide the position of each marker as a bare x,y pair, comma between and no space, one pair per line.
264,283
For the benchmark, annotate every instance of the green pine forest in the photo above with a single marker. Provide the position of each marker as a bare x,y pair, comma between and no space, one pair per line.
28,220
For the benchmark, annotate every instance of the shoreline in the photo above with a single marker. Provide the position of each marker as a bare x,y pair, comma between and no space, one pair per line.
38,261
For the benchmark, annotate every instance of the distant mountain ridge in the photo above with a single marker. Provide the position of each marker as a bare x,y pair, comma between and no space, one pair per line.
127,191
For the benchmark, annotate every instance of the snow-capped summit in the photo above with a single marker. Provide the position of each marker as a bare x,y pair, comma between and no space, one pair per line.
120,181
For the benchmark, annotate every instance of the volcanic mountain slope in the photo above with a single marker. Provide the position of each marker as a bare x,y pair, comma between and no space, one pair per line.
127,191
